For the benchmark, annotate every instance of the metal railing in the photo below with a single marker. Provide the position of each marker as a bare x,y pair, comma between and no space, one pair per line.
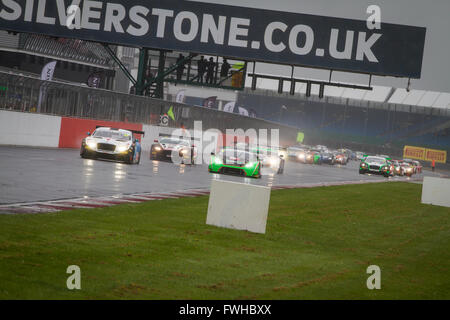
22,93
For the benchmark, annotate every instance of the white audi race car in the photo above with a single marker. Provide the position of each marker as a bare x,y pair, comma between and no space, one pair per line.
112,144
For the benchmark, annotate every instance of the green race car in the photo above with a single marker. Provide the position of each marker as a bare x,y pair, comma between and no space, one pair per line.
235,162
375,165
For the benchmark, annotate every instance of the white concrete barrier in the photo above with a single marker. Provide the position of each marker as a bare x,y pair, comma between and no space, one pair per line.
29,129
436,191
238,206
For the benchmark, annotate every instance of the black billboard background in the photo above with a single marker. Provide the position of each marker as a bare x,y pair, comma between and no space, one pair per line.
399,50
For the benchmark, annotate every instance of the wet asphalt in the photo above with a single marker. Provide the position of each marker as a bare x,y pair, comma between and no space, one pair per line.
34,174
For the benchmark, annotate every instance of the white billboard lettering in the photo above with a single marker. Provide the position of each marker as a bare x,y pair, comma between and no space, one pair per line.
89,13
309,39
138,14
115,13
237,29
347,52
29,10
193,26
162,15
268,36
41,18
11,5
209,27
365,47
213,29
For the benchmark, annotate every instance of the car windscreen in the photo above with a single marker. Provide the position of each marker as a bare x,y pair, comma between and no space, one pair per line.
237,155
405,164
113,134
375,160
174,141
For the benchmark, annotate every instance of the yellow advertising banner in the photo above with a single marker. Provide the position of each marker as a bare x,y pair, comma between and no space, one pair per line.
415,153
436,155
418,153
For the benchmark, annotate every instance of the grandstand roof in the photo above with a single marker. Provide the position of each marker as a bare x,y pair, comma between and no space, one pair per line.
378,94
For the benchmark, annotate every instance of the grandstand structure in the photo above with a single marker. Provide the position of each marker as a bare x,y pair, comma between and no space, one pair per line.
383,120
76,59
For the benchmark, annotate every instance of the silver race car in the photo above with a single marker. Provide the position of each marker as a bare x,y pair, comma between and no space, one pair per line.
112,144
169,148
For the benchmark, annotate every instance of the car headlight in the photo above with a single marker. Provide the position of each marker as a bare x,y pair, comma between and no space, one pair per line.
158,148
91,144
184,152
122,148
217,161
273,161
249,165
363,165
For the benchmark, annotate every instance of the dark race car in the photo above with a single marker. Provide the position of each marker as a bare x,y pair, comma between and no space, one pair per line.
112,144
173,149
328,158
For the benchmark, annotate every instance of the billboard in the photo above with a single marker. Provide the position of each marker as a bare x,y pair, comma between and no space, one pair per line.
425,154
439,156
229,31
416,153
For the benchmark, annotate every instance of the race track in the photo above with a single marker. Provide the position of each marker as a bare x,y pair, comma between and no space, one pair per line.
33,174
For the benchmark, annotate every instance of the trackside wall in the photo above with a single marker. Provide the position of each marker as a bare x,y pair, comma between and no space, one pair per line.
37,130
74,130
27,129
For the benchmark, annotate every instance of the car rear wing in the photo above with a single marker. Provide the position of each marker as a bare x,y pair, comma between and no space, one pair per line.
138,132
164,135
133,131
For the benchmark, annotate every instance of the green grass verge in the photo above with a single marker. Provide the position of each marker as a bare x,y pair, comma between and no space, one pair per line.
318,245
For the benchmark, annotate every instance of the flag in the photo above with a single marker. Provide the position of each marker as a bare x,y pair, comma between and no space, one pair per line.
229,107
210,102
171,114
181,96
46,75
243,112
238,65
94,80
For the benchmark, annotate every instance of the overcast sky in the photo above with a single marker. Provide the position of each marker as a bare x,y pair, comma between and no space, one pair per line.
432,14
